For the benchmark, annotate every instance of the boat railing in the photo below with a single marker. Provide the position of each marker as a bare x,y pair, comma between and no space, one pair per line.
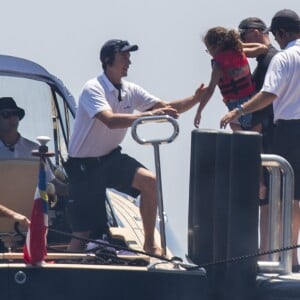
281,190
155,142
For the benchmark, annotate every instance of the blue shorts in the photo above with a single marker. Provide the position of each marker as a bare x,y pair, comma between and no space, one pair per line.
245,121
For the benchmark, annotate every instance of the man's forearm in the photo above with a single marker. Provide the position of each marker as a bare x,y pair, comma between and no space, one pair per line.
6,212
259,101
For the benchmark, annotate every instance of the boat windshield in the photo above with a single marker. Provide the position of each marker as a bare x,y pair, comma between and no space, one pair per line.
46,112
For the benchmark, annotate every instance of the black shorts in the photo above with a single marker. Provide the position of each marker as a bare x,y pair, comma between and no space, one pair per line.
264,116
89,178
287,145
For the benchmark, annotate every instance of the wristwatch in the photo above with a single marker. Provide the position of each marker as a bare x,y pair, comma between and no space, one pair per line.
240,110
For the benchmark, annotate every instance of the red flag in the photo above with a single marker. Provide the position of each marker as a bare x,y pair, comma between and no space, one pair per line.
35,248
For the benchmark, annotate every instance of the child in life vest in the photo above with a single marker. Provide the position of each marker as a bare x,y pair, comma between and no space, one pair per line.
231,73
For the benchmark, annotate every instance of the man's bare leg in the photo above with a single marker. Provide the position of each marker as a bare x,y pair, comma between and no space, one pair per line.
295,230
264,230
145,181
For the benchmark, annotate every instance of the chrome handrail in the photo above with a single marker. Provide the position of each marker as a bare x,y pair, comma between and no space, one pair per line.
272,161
154,119
155,143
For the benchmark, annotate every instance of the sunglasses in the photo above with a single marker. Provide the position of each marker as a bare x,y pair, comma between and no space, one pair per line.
6,114
119,45
243,32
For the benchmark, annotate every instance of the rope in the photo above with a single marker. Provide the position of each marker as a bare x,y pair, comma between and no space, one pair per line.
172,260
107,244
247,256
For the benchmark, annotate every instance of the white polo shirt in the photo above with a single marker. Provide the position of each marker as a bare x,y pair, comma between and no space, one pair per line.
283,80
91,137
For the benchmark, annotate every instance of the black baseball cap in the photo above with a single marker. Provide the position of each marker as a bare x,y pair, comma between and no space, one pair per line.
252,23
114,46
285,18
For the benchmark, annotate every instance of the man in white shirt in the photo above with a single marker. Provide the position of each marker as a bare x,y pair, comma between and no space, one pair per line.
281,87
14,146
107,107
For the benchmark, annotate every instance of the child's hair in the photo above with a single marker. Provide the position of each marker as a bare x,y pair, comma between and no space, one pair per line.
223,38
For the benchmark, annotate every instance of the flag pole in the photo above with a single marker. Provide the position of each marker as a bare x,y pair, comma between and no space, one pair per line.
35,248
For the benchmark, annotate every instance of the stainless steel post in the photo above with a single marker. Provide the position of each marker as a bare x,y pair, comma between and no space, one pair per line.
285,264
155,143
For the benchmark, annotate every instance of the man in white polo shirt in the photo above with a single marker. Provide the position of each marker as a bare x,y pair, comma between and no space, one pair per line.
108,105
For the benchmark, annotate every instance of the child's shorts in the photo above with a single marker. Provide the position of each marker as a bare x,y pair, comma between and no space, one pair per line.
245,121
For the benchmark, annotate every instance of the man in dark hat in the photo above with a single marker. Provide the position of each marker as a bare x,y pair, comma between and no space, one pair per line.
108,105
281,87
13,145
252,30
10,114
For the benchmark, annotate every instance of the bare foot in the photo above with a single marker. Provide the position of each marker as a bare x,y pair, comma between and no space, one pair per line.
154,250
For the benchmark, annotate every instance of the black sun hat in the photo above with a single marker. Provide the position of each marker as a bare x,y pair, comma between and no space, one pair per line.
9,103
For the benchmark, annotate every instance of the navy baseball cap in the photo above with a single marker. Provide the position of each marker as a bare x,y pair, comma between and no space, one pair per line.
114,46
285,18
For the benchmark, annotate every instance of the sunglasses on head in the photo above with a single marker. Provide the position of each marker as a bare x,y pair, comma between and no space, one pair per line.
6,114
119,45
